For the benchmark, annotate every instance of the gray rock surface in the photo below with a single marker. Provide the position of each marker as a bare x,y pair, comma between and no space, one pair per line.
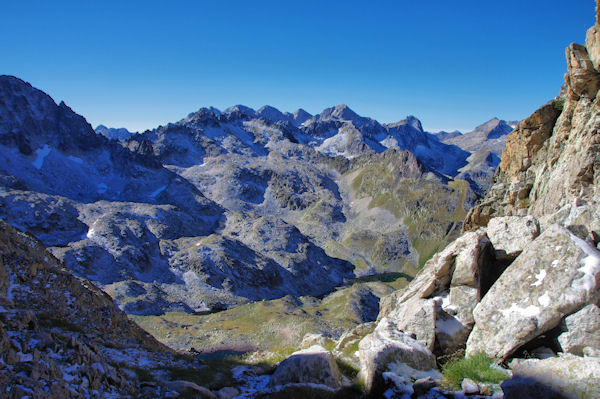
460,263
469,386
555,275
314,365
510,234
416,317
583,330
387,344
190,389
437,306
567,376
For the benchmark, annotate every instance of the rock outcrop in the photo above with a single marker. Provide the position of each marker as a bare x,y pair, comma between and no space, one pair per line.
541,216
388,344
510,234
60,336
552,158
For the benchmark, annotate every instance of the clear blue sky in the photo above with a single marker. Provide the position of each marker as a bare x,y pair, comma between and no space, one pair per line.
453,64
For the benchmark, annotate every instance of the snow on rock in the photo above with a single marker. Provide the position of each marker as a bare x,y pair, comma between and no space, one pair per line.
156,192
102,188
41,154
402,376
539,278
544,300
590,265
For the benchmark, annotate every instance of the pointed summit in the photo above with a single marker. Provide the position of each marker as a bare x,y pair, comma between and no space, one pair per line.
301,116
271,114
340,112
411,121
241,109
492,129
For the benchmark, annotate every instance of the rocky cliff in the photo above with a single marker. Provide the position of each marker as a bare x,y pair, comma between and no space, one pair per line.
551,165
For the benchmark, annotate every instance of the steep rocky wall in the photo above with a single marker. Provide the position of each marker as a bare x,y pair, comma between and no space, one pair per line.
552,159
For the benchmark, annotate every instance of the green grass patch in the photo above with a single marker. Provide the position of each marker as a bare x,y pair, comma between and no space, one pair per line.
352,348
477,368
347,368
559,104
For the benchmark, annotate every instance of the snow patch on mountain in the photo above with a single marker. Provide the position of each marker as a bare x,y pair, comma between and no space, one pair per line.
41,154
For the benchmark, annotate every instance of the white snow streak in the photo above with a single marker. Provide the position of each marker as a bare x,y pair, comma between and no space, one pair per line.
544,300
590,265
158,191
41,153
529,311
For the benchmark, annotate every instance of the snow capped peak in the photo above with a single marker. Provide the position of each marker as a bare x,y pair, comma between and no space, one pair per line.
241,109
340,112
271,113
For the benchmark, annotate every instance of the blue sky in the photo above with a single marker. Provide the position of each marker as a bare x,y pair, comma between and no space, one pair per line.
453,64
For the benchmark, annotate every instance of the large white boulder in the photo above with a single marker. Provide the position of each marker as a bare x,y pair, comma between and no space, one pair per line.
388,344
555,275
315,365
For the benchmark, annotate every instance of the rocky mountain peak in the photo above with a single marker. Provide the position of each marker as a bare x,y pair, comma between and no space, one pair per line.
112,133
414,122
493,129
31,119
241,110
410,121
271,114
339,112
301,116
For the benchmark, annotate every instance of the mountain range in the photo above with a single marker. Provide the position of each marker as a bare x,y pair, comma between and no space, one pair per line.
223,208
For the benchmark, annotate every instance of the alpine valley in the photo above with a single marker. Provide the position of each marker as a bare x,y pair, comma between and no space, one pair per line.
255,253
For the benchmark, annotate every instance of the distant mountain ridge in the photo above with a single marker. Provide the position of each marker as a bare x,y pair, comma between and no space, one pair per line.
114,133
226,207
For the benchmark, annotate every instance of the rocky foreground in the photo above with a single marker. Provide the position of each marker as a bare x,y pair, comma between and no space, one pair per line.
61,337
